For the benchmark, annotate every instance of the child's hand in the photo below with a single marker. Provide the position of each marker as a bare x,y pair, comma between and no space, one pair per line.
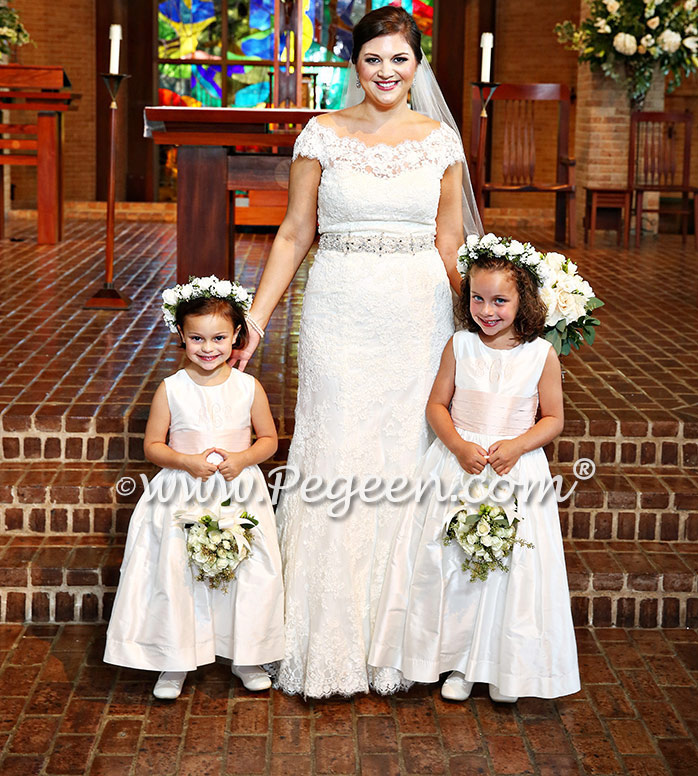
471,457
232,464
503,455
198,466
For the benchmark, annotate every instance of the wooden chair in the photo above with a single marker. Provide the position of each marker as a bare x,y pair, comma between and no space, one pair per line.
659,160
516,117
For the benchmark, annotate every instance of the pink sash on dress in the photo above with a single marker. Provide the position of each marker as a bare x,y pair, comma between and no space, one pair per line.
194,442
491,414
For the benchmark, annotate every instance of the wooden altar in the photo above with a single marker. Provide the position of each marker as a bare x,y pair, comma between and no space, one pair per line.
42,90
217,153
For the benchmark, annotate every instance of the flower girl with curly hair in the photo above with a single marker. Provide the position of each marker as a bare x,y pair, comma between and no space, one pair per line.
166,617
507,624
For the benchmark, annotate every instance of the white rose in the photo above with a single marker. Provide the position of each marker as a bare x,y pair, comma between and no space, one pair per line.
187,291
653,23
516,248
689,5
670,41
471,538
555,260
549,298
499,250
169,296
486,541
571,306
215,537
691,43
496,544
612,5
625,44
647,41
483,528
472,240
223,288
692,29
222,563
571,267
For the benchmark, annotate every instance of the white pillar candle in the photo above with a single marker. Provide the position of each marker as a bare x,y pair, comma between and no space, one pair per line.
115,38
486,44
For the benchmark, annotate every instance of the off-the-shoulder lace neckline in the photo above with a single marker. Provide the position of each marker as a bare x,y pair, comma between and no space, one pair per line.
355,139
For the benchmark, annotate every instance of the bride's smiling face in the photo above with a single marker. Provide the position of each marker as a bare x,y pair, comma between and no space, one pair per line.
386,66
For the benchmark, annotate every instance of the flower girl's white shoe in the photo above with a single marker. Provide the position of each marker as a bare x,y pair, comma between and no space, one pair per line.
497,697
455,688
253,678
169,685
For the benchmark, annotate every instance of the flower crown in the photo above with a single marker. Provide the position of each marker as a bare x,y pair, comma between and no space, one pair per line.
207,288
490,246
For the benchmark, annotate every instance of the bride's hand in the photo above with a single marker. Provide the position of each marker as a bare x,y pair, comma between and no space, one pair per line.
241,357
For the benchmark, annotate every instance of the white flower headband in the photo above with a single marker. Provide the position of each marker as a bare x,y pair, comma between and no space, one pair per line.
492,247
196,288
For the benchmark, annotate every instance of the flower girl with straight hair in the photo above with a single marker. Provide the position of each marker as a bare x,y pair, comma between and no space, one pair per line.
167,617
508,625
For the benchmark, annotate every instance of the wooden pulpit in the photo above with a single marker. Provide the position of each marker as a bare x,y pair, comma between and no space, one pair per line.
214,159
44,90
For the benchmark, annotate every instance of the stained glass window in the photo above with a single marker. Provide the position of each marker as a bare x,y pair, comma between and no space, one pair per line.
197,36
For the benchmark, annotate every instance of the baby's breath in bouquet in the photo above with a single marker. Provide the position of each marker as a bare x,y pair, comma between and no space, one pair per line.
217,542
486,537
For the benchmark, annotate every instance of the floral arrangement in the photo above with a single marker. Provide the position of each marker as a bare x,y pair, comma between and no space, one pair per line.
202,287
568,297
570,301
639,34
218,543
12,31
486,537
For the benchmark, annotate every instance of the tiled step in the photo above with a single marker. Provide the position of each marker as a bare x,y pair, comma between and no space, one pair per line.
647,503
627,584
114,432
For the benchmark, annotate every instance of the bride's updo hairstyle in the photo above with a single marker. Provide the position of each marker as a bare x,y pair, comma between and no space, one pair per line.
530,318
387,20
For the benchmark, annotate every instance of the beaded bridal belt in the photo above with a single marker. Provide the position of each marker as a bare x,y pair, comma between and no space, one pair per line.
376,243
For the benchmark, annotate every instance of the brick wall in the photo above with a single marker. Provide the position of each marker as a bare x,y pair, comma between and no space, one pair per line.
526,51
64,35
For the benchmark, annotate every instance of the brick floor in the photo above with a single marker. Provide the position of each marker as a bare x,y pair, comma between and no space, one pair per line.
74,395
62,711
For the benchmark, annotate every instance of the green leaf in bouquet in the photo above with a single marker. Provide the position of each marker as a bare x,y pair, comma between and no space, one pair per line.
565,349
553,337
593,321
593,303
589,334
561,326
247,516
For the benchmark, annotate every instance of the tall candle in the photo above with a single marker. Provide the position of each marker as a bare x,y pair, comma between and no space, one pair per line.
115,38
486,44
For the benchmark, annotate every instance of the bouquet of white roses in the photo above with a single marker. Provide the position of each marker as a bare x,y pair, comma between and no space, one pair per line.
570,301
486,537
217,542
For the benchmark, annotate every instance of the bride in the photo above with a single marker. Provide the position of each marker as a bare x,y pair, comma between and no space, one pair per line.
385,183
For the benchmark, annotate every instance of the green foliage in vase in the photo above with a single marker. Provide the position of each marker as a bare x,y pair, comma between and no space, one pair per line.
12,31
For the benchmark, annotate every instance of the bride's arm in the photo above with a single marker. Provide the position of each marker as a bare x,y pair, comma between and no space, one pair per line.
449,222
290,247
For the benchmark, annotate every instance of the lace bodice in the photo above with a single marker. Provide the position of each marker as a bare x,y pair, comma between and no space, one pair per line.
378,188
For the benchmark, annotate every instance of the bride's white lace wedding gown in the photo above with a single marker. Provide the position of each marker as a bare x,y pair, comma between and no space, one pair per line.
377,313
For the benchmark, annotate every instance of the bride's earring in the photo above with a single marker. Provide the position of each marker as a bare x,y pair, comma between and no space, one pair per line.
358,83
